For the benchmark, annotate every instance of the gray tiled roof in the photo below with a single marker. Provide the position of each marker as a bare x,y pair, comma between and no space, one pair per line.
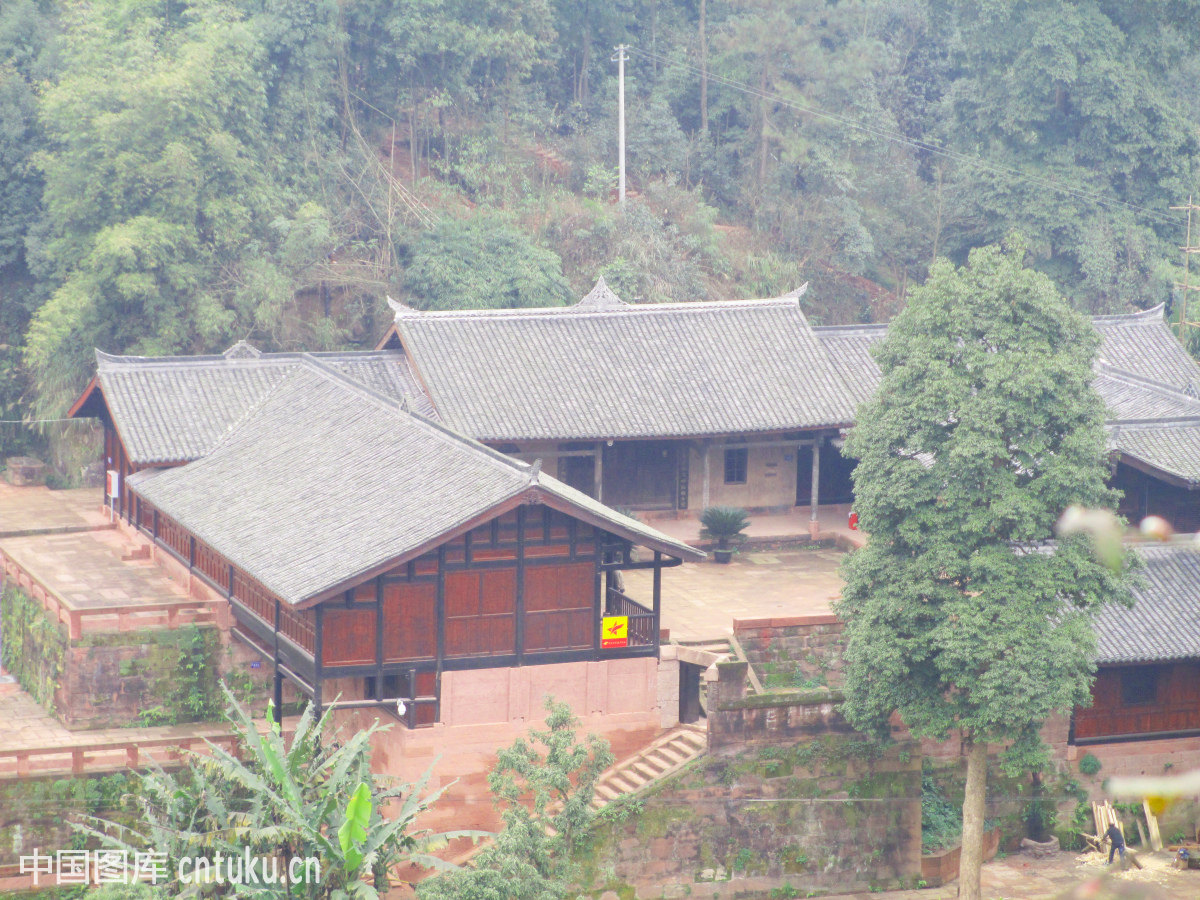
1143,343
849,350
1164,622
1132,398
607,369
174,408
324,481
1144,375
1170,448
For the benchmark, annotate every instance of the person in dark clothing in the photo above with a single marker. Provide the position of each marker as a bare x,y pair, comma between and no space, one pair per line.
1117,837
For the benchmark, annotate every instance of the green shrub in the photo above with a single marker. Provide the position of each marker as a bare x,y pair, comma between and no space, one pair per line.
1089,764
724,523
941,820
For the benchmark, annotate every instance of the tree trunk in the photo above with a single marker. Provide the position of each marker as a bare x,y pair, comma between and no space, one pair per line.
971,861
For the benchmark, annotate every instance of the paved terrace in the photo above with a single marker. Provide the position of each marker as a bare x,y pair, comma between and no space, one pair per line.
701,600
36,510
94,581
60,547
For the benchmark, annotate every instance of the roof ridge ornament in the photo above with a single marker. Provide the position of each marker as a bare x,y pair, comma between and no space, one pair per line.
600,298
535,471
400,308
243,349
797,293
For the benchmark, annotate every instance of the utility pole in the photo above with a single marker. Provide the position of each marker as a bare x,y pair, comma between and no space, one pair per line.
620,60
1186,286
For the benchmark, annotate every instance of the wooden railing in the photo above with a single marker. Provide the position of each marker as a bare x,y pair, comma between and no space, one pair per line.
200,557
81,759
641,619
1097,724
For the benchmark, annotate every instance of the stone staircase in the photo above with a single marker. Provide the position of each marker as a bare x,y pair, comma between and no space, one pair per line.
667,755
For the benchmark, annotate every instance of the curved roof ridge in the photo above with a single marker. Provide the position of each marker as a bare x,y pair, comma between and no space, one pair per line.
1141,315
574,311
1134,378
856,328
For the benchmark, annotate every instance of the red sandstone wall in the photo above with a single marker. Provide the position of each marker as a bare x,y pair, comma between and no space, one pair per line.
485,710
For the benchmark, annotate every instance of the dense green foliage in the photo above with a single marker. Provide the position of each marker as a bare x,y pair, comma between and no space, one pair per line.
177,174
959,612
275,796
544,788
34,647
984,429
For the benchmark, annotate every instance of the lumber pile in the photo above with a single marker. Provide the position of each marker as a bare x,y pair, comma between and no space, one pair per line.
1104,815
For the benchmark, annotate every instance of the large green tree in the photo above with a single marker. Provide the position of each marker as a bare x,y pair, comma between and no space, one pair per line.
960,614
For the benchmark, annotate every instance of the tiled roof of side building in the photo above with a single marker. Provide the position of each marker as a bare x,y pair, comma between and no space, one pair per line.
1142,343
324,482
1134,398
607,369
175,408
849,350
1172,448
1163,624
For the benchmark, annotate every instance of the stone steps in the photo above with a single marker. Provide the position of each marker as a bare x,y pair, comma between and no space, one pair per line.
667,755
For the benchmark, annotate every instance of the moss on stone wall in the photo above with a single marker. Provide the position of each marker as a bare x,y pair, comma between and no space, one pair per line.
147,677
37,812
833,814
34,646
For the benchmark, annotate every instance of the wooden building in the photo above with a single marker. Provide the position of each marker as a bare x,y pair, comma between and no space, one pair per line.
364,549
659,407
1148,684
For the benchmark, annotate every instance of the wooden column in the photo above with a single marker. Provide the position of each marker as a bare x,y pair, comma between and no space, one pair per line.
704,495
598,472
598,593
439,609
379,638
814,500
520,629
318,653
277,687
657,607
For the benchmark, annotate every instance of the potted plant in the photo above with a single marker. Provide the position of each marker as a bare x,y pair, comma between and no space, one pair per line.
724,524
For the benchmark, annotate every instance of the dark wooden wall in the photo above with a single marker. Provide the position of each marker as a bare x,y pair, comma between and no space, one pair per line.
1145,495
1175,707
548,601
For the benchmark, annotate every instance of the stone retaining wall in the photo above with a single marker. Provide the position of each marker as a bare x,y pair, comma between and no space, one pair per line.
790,800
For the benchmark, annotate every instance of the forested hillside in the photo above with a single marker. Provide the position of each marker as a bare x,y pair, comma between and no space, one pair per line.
177,174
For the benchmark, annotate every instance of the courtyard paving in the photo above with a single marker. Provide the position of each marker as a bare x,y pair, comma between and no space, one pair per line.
38,510
701,600
85,570
1067,876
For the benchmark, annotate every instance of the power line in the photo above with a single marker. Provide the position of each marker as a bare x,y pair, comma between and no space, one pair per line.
36,421
928,146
